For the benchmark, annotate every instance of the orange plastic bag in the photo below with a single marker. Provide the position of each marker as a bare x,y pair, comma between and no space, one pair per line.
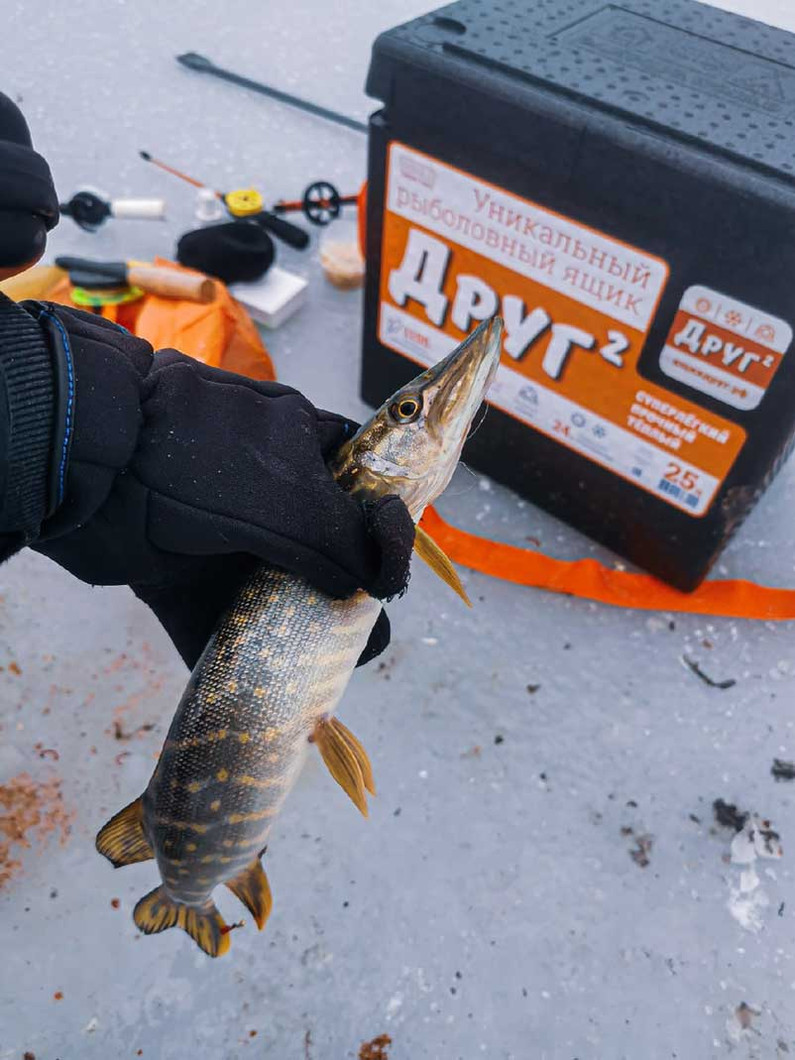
221,333
591,580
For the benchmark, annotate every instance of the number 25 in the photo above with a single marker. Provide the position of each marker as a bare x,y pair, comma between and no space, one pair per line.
686,479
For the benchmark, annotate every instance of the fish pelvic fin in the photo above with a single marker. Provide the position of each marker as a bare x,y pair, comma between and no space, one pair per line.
427,549
122,840
158,911
359,752
346,760
251,887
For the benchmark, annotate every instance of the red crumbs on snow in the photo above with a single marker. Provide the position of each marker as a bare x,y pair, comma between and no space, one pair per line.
29,810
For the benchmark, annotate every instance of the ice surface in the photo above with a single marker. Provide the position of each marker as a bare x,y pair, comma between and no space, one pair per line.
496,903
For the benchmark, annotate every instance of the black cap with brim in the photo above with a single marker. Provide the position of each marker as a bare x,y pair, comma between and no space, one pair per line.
28,203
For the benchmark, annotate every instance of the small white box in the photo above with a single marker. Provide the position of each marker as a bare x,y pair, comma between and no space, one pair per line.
274,298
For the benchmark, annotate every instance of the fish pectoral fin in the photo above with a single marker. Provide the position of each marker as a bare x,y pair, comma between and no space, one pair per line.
122,840
343,760
158,911
427,549
251,887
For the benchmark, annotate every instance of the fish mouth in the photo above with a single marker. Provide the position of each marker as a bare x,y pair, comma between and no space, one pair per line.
459,382
416,459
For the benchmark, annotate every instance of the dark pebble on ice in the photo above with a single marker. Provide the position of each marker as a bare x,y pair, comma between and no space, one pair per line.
728,816
783,770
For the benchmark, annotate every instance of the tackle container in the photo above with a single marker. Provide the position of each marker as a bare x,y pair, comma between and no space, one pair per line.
618,181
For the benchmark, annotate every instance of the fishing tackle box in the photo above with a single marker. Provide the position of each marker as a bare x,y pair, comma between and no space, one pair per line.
618,181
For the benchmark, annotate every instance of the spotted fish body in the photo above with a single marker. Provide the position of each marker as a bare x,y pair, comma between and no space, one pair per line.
278,664
273,672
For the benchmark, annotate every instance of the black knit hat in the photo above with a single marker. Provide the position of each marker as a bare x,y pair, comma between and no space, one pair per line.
28,203
235,252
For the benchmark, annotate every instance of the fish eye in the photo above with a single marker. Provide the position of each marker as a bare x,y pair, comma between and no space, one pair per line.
406,410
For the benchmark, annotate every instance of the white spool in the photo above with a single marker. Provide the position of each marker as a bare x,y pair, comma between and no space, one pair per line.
209,207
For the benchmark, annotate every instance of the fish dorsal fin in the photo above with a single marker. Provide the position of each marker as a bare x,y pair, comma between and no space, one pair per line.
251,887
122,840
346,760
158,911
427,549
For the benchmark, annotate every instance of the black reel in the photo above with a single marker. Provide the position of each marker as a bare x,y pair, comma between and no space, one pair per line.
86,210
322,203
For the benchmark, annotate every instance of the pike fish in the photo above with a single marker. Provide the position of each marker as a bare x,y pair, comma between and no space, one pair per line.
268,683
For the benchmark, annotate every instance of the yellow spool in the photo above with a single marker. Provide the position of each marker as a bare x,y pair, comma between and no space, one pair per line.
244,202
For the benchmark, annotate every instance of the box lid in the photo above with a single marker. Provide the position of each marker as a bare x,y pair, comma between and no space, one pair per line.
709,76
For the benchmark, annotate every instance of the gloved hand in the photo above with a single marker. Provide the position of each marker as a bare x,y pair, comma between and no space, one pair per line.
180,478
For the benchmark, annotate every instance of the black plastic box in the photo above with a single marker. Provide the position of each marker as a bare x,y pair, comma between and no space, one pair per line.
618,180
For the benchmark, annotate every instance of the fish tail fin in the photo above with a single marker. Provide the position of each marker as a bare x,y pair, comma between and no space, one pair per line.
122,840
251,887
158,911
207,928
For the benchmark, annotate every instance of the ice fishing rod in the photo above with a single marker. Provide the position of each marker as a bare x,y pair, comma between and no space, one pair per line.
154,279
89,210
202,65
242,204
176,172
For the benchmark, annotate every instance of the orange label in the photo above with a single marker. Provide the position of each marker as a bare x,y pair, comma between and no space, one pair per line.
724,348
577,306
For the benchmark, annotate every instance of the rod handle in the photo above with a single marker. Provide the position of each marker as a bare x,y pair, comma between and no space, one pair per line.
139,209
168,283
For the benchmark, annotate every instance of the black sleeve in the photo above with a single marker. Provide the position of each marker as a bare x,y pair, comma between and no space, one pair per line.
33,446
29,431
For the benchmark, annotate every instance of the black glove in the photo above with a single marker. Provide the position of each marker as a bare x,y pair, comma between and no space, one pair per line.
181,477
152,470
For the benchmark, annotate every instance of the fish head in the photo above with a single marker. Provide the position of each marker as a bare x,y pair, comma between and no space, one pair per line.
411,446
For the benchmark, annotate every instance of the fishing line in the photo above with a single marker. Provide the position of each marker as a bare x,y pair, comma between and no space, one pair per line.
477,426
470,486
465,466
